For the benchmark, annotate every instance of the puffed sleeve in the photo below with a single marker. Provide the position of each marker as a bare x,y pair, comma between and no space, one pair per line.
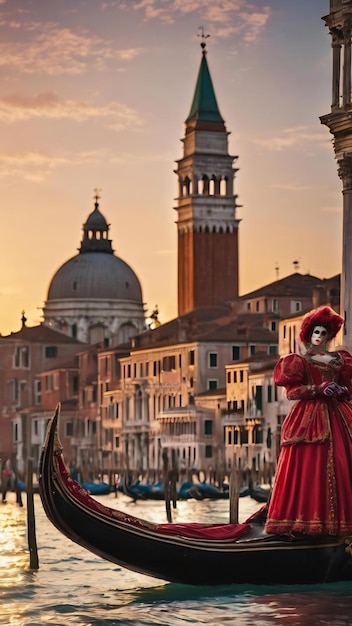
290,372
346,371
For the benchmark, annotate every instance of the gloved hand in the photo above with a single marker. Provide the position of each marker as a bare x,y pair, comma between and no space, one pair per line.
331,389
343,392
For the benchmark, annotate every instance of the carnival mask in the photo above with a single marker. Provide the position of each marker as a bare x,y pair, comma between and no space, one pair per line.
319,336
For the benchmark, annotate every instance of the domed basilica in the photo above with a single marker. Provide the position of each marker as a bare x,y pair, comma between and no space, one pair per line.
95,296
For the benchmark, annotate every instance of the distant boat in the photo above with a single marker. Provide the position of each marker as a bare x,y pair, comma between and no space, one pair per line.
23,487
96,489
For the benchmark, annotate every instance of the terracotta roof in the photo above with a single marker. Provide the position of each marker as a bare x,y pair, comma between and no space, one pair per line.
295,285
208,324
41,334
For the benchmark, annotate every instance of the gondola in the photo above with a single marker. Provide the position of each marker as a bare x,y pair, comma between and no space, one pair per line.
198,554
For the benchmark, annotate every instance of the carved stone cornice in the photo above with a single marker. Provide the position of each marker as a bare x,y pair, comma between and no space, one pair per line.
345,172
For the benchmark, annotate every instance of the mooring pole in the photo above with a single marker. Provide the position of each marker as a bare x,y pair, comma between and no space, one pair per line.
234,492
167,485
32,541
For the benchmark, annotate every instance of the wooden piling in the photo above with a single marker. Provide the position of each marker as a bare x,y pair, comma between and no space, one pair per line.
167,485
234,492
32,541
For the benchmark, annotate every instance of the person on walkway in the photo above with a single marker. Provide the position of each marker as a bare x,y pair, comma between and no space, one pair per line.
10,482
312,491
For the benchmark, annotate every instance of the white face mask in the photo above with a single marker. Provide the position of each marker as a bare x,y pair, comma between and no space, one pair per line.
319,336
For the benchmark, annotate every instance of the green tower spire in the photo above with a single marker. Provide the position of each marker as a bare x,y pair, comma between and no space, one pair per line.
204,106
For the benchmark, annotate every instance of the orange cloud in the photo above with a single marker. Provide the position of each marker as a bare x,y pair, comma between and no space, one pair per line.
226,17
291,137
17,108
50,49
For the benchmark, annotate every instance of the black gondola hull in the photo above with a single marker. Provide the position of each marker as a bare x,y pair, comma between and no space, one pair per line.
139,546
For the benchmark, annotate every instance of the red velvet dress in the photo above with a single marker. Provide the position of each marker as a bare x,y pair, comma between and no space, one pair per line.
312,492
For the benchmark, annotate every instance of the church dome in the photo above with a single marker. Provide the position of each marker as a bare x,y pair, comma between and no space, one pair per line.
95,275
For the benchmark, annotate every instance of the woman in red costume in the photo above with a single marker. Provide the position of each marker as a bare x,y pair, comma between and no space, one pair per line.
312,493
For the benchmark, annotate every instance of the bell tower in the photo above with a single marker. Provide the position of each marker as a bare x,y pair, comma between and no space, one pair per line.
339,122
207,226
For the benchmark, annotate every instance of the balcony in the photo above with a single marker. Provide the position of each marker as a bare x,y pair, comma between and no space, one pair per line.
177,440
233,419
185,414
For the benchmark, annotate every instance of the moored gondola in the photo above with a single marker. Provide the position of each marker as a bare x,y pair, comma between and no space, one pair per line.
199,554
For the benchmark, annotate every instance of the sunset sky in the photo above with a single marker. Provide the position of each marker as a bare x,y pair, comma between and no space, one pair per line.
94,94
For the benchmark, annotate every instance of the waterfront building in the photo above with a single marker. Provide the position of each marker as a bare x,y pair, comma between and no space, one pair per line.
160,395
250,420
24,356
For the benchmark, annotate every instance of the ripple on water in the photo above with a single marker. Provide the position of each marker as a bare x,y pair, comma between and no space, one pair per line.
74,587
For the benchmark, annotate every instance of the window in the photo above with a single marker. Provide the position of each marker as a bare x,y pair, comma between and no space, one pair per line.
248,306
213,359
50,352
243,435
75,384
257,306
275,306
169,363
37,391
21,356
228,377
208,452
259,398
252,349
257,434
241,376
191,357
212,384
13,389
208,427
69,429
236,353
273,326
49,382
273,349
269,393
296,306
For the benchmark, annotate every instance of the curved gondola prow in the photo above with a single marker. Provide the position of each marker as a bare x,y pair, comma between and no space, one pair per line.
51,442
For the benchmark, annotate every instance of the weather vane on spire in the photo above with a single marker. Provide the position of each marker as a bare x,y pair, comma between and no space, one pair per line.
97,196
203,36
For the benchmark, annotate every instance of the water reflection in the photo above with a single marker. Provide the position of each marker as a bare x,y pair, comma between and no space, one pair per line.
74,587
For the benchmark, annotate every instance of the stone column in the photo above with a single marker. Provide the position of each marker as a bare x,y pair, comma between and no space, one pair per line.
336,68
345,173
347,65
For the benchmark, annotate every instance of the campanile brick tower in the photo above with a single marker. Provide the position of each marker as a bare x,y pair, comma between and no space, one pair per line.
206,205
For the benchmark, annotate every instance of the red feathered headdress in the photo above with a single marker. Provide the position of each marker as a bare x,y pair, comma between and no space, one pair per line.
322,316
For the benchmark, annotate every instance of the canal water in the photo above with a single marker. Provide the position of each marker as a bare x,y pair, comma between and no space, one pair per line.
74,587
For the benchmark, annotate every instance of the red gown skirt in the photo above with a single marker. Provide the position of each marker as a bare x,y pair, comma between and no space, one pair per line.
313,486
